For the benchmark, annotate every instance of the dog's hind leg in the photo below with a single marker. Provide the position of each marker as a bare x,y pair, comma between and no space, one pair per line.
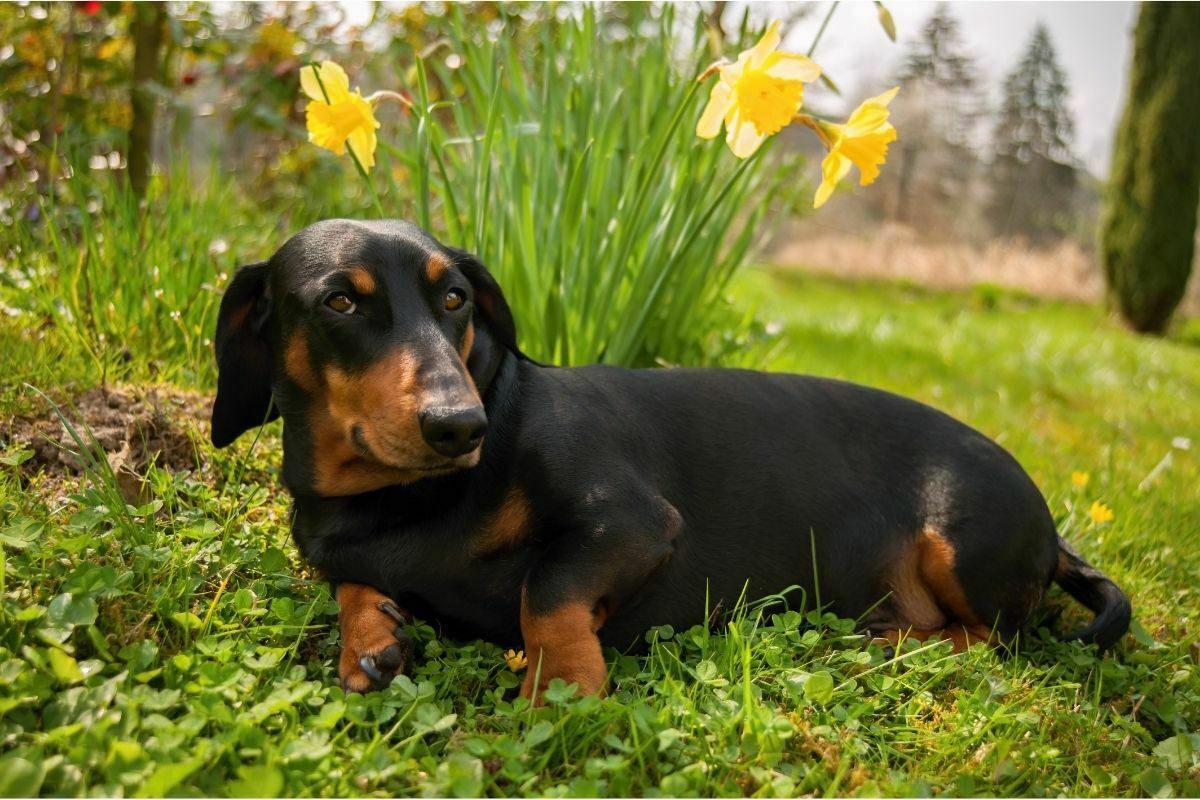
927,599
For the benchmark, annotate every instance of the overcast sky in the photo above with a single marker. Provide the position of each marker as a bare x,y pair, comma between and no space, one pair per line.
1092,40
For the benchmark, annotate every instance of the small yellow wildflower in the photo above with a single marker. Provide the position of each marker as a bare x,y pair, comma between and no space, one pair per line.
758,95
345,117
1100,513
516,660
861,142
1080,479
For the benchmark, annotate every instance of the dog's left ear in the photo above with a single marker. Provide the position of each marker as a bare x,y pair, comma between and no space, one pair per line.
489,300
244,362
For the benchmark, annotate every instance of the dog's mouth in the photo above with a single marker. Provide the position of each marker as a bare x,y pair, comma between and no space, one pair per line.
443,466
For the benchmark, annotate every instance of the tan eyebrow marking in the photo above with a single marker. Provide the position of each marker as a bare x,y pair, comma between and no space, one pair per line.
436,266
363,282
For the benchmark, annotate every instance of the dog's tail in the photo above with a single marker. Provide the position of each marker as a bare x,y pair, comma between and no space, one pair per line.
1093,588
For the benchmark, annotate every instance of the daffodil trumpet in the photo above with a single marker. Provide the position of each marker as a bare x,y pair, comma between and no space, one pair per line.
861,142
757,96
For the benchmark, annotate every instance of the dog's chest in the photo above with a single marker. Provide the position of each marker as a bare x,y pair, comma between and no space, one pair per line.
475,591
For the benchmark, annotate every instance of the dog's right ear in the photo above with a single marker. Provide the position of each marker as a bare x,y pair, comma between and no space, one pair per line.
244,362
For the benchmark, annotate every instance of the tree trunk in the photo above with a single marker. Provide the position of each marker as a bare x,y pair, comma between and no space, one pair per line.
1148,231
148,29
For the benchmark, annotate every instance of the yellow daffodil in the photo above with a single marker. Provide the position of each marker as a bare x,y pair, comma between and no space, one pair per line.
516,660
1079,479
758,95
336,116
1100,513
861,142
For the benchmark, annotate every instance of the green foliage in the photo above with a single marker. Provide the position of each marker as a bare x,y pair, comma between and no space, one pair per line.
177,647
59,64
612,228
567,158
1149,224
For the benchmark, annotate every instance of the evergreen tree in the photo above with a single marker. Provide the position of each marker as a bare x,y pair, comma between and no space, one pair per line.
1148,233
938,60
1034,173
937,111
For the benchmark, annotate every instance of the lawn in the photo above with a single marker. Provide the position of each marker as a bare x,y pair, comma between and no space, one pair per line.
165,639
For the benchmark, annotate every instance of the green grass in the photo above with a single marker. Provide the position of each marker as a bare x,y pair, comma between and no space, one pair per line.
181,648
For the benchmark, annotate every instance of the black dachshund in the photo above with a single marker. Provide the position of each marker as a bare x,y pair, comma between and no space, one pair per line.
438,471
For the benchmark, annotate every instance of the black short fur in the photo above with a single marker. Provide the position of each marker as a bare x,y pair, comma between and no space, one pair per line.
651,492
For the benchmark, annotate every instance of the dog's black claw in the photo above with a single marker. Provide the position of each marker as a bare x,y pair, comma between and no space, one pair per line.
367,665
391,658
393,612
403,638
889,653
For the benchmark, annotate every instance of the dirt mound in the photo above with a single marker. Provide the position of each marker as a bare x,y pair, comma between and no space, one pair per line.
132,426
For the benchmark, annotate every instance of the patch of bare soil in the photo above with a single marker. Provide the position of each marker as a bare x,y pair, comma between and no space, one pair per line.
129,426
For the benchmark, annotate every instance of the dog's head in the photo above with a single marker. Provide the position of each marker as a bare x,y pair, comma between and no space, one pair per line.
375,342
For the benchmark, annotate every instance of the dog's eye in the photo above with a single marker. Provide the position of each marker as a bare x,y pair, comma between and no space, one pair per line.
341,303
455,299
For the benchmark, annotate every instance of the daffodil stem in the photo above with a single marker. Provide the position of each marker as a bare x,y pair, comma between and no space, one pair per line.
395,97
367,180
811,122
821,31
713,68
350,149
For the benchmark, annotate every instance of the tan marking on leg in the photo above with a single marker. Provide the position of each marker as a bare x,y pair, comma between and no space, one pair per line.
563,644
911,598
362,280
960,636
928,598
936,555
366,631
506,527
436,266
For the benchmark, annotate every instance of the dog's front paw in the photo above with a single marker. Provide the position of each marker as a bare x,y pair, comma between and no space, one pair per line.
375,647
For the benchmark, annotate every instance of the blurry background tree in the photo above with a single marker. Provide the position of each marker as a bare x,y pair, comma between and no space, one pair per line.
938,109
147,28
1149,226
1033,174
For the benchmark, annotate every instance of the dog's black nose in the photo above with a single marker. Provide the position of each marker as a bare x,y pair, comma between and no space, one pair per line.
453,431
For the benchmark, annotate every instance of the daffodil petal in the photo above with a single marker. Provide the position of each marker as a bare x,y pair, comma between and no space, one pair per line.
309,84
332,77
868,152
871,114
867,120
322,127
743,138
886,97
823,193
765,46
363,142
718,106
834,167
792,67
